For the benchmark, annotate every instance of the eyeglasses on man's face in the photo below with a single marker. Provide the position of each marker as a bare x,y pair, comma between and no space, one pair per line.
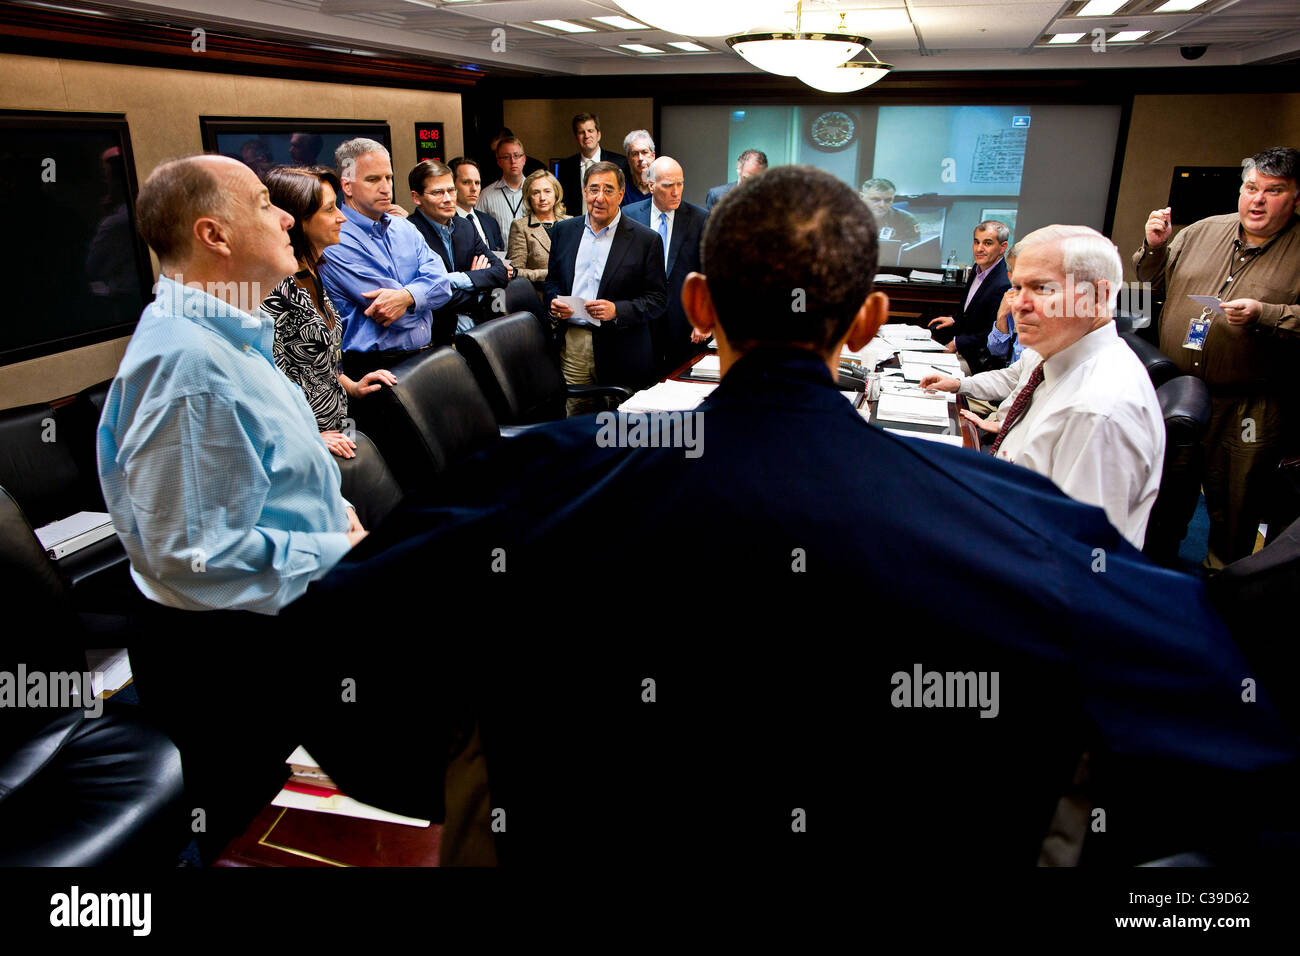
596,189
510,157
441,193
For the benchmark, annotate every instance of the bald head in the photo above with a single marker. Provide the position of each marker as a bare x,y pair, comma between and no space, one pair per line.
666,183
176,195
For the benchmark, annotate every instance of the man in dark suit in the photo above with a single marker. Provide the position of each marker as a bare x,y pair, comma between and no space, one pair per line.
471,267
706,699
616,267
967,333
573,170
748,163
469,185
680,225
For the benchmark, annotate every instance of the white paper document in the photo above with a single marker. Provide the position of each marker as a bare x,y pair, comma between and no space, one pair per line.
579,307
898,387
954,440
943,360
669,396
343,806
889,277
901,332
916,275
709,367
915,371
75,532
1211,302
916,411
923,345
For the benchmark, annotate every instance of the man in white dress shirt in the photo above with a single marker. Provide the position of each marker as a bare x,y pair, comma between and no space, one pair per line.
503,200
1087,416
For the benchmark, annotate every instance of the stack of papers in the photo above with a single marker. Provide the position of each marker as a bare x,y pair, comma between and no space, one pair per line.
709,367
954,440
900,332
897,386
889,277
916,275
915,411
669,396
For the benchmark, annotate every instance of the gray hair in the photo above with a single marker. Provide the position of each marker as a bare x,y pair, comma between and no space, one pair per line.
1086,255
880,184
636,135
1281,161
346,156
998,228
657,166
756,155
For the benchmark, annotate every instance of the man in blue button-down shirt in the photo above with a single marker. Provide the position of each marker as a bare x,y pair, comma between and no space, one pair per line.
211,462
384,280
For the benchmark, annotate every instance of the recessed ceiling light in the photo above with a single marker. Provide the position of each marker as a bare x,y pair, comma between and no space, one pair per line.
1065,38
640,48
1178,6
1100,8
1128,36
688,46
622,23
565,26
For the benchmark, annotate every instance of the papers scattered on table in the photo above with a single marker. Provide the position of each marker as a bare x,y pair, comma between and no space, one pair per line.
954,440
71,534
669,396
898,387
942,360
901,332
882,346
916,275
579,307
917,411
889,277
1211,302
915,371
923,345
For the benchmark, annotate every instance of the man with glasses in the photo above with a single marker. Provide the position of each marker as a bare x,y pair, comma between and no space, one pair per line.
503,200
472,269
605,284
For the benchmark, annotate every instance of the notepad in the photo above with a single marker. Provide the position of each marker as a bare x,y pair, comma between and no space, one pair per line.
669,396
62,537
943,360
954,440
709,367
916,411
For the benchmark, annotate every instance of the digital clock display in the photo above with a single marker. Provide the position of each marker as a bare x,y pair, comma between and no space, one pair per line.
428,142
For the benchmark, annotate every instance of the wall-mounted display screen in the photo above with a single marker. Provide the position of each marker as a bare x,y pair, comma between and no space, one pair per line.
929,172
265,142
71,245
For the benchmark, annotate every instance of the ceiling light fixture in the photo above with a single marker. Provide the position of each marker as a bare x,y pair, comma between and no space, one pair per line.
1100,8
1128,36
621,23
791,54
1178,6
689,46
1066,38
703,18
565,26
640,48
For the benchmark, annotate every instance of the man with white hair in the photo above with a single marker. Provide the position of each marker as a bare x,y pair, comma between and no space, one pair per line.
640,149
385,281
1086,416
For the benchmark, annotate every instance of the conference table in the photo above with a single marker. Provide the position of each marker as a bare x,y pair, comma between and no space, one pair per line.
956,425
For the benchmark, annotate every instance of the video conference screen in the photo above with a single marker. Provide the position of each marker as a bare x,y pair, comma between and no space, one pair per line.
951,166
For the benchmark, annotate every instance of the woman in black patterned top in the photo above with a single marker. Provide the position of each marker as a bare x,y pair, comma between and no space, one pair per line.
308,333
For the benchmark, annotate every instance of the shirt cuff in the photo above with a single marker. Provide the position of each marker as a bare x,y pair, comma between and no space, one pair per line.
332,548
460,280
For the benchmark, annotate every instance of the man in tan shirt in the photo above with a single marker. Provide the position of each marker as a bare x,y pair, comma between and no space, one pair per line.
1248,353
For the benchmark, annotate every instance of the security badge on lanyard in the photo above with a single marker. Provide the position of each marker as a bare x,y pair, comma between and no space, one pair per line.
1197,330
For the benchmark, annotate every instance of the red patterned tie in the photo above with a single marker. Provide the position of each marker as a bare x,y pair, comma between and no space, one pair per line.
1018,406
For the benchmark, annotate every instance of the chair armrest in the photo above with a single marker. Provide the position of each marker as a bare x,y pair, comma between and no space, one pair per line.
587,391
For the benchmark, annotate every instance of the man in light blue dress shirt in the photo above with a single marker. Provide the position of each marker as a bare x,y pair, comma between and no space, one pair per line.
210,459
385,281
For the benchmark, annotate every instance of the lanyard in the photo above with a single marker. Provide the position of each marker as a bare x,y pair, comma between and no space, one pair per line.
1237,264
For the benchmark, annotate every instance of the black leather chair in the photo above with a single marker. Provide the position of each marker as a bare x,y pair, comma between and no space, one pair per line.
1159,366
516,372
368,484
434,416
1185,405
521,296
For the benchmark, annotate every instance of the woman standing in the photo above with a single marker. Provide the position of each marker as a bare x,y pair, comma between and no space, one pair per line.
308,333
530,236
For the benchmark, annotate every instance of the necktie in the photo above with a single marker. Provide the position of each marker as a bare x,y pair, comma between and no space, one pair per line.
1019,405
582,178
475,223
663,234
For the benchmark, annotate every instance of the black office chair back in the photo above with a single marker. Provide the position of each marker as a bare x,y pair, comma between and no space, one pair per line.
1159,366
30,585
38,464
1185,406
368,483
513,364
433,417
521,296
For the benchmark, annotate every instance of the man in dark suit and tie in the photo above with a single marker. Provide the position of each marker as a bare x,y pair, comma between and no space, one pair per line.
469,184
748,163
616,268
471,267
680,226
967,333
573,170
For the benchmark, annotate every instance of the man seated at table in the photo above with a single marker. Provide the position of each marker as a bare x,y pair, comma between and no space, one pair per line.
707,690
1087,415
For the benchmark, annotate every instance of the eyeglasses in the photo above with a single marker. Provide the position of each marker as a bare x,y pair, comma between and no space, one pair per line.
440,193
511,156
607,191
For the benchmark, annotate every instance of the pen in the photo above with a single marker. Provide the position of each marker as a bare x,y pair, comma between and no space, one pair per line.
946,372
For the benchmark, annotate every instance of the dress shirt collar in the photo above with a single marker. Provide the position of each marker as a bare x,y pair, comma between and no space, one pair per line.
656,212
462,211
371,227
239,328
1075,355
980,273
610,228
444,231
1247,245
